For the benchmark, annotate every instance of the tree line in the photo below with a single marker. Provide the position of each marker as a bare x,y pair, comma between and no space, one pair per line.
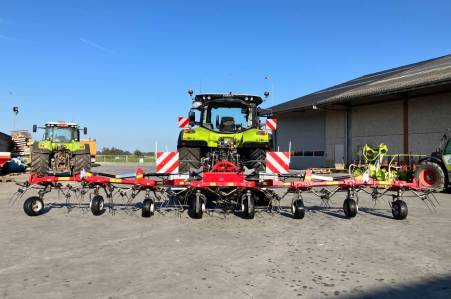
114,151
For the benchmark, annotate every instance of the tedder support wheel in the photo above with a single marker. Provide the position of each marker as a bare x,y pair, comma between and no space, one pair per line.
97,205
248,205
297,208
350,208
399,209
430,175
148,208
197,205
33,206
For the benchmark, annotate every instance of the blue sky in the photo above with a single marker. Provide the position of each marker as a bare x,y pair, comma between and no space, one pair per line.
122,68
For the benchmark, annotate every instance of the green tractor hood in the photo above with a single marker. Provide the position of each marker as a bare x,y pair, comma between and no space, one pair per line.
203,137
49,146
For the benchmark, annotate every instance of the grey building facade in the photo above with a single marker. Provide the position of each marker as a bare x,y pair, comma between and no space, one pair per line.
408,108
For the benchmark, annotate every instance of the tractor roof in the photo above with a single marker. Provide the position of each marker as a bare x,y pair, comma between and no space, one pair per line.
219,97
62,124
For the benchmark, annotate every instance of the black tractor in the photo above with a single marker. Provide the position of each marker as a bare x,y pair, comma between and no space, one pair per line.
433,172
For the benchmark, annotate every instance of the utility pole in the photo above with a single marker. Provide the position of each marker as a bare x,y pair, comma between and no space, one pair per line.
15,112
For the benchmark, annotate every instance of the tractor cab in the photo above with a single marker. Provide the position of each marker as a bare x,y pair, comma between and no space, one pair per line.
61,132
226,113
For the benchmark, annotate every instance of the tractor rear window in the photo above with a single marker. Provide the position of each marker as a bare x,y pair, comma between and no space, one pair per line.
57,134
229,119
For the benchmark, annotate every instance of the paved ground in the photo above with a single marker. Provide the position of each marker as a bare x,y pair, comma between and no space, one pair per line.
60,255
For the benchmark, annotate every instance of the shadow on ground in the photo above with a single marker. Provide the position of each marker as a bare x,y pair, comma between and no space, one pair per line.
436,287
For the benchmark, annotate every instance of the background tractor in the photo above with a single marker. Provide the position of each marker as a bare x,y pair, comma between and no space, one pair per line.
224,127
434,171
60,151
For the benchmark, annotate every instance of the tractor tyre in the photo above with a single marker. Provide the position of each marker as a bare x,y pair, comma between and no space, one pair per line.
255,159
189,157
40,164
430,176
82,162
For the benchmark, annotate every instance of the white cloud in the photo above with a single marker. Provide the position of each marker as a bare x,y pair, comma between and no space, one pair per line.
95,45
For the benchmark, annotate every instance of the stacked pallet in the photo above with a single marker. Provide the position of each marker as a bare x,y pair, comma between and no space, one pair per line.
21,145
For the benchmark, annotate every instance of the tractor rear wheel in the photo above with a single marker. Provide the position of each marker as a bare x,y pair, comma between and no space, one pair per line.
255,159
40,164
189,157
82,161
430,175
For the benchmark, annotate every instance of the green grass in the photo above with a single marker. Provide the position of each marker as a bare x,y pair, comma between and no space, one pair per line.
124,159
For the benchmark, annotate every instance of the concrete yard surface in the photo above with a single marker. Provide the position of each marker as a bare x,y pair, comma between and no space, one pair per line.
66,255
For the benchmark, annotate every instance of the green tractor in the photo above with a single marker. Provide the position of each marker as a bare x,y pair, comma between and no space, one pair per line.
224,127
434,171
60,152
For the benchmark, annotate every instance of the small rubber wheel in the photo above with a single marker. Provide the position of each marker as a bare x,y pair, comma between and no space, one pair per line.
350,208
33,206
197,207
298,210
248,207
399,209
148,208
97,205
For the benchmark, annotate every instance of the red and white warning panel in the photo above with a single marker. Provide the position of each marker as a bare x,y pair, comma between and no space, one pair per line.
277,162
271,123
167,162
183,122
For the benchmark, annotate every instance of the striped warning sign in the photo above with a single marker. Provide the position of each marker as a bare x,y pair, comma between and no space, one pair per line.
167,162
183,122
277,162
271,123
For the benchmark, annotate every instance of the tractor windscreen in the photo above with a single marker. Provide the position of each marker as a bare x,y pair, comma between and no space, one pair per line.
61,134
228,119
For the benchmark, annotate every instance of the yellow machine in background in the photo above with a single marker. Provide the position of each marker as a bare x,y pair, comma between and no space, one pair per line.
92,148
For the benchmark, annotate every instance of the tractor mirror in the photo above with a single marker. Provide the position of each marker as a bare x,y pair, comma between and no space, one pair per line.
217,121
85,130
192,118
35,128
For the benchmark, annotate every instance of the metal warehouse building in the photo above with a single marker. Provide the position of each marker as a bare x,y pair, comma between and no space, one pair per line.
408,108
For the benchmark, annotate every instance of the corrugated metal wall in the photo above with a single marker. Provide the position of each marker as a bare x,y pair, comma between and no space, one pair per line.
306,131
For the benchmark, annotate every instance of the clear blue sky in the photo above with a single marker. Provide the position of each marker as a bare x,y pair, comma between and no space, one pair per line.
122,68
